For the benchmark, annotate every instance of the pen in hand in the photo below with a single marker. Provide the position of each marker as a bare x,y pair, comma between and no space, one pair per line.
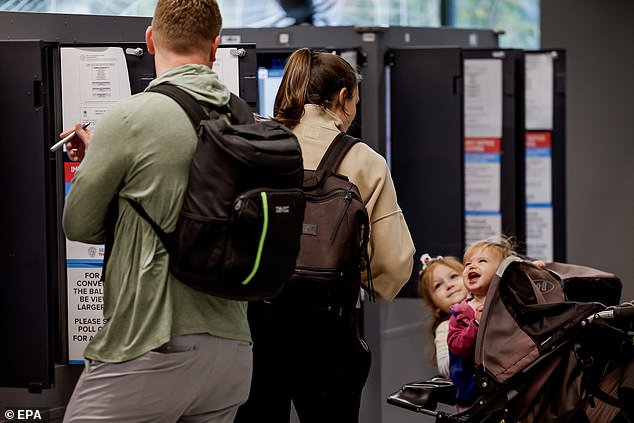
67,138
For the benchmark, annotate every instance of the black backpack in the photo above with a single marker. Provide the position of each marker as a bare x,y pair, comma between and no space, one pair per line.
334,243
238,231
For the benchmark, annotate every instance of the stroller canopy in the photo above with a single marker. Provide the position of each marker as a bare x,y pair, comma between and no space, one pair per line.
528,312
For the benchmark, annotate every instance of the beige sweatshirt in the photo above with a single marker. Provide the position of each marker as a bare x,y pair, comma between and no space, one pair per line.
391,248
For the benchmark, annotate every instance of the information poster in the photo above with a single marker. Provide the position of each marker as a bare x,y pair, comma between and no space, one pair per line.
84,288
483,139
539,206
539,124
227,68
483,98
93,79
483,190
539,91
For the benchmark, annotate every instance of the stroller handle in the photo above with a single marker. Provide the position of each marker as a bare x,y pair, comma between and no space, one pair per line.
617,313
624,312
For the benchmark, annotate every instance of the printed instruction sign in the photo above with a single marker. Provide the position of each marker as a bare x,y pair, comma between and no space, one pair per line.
539,204
84,288
483,98
93,79
539,91
228,69
483,141
539,97
483,218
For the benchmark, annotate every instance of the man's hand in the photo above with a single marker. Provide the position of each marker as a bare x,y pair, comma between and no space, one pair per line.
76,147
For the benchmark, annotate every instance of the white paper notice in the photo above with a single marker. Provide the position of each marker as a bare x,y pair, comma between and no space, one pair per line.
483,183
93,79
483,98
479,226
227,68
539,91
539,207
85,310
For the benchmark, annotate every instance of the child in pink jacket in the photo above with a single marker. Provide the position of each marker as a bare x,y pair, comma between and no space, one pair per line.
481,260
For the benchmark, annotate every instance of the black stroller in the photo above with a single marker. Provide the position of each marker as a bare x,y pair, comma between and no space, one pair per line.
553,346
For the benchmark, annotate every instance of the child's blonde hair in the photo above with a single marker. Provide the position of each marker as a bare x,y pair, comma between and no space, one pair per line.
503,246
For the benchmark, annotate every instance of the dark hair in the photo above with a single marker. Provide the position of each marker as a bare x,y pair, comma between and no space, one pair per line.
311,78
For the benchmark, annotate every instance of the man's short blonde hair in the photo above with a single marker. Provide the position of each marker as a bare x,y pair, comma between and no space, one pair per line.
186,26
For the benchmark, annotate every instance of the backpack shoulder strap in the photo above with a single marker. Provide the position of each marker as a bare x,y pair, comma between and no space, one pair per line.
196,114
336,151
163,236
240,110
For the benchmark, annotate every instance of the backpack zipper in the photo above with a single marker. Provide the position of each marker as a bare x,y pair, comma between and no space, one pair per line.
348,200
349,196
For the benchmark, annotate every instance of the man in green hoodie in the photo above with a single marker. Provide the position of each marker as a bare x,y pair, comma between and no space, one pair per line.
167,352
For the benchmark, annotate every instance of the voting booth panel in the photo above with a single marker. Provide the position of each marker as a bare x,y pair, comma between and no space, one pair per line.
29,247
235,65
57,278
456,146
514,123
36,266
426,147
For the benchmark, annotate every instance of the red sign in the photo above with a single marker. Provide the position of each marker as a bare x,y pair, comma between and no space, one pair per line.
69,171
538,140
482,145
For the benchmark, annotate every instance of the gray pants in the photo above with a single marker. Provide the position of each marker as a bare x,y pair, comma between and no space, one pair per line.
194,378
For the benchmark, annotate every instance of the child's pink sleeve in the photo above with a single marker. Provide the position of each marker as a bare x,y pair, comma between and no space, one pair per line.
463,331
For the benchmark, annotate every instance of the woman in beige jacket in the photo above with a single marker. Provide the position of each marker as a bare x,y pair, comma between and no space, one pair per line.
306,356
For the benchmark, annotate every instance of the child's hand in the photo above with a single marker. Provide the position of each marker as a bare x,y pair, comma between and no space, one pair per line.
478,312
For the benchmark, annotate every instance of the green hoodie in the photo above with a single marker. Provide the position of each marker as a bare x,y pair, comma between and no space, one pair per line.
142,149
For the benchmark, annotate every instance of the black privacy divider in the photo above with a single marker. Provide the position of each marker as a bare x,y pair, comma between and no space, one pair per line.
426,144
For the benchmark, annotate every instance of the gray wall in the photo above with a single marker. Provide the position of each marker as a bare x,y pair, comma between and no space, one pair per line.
597,36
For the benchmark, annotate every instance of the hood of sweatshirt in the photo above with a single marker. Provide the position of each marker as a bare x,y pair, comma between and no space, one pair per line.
198,80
